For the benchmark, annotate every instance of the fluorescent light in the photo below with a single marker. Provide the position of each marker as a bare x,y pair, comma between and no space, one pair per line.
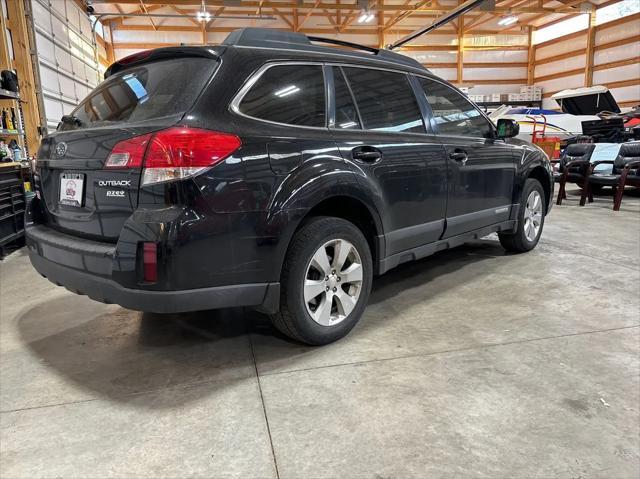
363,18
504,21
291,89
348,124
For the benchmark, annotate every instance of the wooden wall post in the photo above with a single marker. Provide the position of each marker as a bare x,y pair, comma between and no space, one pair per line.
381,25
4,45
591,41
459,77
531,58
17,24
111,56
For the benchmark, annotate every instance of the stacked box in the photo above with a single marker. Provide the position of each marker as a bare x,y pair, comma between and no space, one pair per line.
531,92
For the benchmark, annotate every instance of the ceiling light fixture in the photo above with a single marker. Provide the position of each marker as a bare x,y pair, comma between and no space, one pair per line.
504,21
203,16
366,17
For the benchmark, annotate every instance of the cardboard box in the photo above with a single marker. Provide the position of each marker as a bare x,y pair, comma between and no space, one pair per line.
530,89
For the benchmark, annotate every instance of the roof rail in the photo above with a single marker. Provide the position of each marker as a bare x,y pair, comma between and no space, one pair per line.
334,41
268,37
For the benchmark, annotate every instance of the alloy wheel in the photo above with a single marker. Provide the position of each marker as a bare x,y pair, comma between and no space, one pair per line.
533,216
333,282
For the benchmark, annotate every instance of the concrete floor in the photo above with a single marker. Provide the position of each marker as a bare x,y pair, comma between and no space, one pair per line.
469,363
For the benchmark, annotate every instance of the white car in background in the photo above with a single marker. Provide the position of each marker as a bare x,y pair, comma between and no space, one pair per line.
578,105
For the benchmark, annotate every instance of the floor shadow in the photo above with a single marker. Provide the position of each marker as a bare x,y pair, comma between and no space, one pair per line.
119,354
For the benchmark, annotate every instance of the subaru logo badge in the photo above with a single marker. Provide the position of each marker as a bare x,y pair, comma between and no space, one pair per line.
61,149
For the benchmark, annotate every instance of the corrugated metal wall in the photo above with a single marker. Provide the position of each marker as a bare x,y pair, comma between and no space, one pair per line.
66,56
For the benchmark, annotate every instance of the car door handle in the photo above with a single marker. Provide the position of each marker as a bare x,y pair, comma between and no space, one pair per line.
368,154
459,156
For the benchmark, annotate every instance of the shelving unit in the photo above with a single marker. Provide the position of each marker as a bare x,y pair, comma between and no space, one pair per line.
12,178
6,95
11,133
12,205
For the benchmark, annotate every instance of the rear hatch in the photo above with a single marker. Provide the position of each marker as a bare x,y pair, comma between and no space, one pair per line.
586,101
145,94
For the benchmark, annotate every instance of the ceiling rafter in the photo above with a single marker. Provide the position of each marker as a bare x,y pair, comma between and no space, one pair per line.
331,19
123,14
306,17
566,4
341,14
187,14
282,16
436,8
395,19
491,15
144,8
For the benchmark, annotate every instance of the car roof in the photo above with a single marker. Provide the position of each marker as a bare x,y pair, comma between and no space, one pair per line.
282,43
270,44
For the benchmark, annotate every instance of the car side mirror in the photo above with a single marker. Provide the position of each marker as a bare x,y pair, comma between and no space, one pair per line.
508,128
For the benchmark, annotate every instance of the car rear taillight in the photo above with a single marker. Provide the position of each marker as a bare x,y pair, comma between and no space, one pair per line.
174,153
128,153
180,152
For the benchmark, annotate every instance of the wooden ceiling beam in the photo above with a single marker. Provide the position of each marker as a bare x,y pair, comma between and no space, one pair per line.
144,8
399,17
492,15
123,14
309,13
354,29
283,17
420,7
188,15
415,48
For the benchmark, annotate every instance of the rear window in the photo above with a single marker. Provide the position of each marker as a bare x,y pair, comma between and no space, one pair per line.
291,94
145,92
385,100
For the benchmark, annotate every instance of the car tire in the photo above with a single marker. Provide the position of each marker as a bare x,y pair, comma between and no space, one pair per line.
346,265
531,214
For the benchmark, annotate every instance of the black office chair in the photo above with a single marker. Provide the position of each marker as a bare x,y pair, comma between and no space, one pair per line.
575,166
626,171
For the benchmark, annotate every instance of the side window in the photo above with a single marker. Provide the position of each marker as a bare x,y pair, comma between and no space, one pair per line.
346,113
453,113
291,94
385,100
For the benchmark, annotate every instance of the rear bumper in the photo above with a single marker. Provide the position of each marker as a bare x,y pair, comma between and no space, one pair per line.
84,267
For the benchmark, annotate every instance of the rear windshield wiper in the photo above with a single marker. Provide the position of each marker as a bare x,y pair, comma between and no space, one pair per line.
69,120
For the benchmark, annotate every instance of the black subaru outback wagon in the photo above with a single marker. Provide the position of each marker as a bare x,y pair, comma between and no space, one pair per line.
275,173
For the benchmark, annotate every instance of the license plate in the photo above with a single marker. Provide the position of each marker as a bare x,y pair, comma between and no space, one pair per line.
71,189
